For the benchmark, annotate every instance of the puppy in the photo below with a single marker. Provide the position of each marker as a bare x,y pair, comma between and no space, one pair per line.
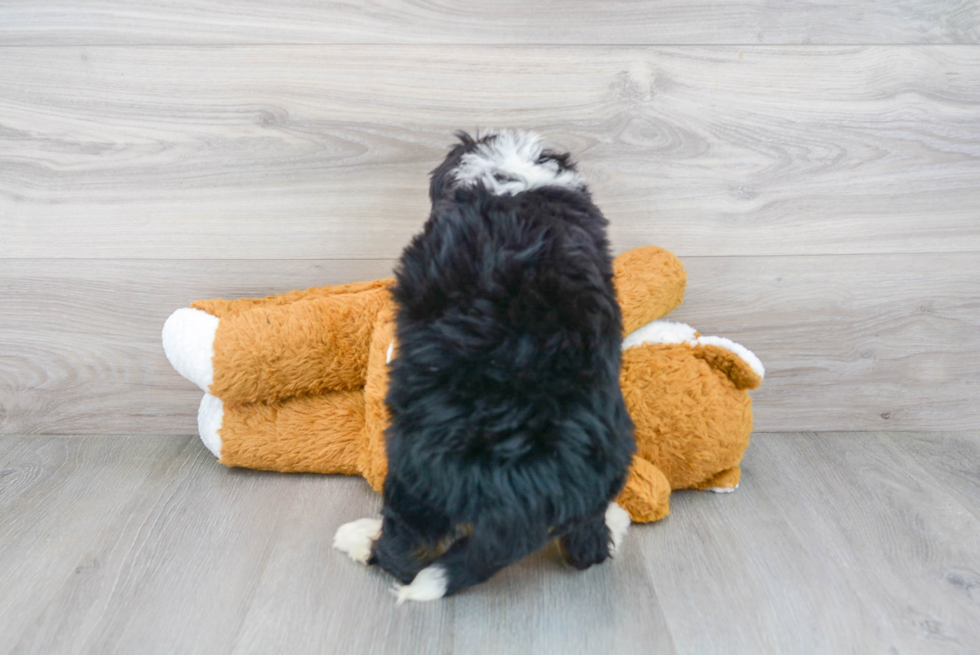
508,426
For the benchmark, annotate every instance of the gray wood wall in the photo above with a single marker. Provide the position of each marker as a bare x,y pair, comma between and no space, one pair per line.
815,165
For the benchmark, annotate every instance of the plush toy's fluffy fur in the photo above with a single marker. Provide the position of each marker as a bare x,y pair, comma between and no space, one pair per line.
508,426
267,358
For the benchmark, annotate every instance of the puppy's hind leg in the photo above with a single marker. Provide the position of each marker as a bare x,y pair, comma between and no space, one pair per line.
391,543
406,547
595,540
469,561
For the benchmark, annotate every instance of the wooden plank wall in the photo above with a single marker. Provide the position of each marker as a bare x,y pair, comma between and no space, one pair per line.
817,168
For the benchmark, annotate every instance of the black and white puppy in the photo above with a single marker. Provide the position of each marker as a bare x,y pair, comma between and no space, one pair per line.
508,424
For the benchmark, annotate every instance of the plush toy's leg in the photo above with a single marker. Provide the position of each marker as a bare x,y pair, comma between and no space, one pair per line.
269,349
312,434
646,495
373,462
225,308
188,341
724,482
210,415
649,285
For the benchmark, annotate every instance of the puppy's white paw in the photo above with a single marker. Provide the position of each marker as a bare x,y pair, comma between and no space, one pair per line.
429,584
618,521
209,417
188,341
722,490
355,539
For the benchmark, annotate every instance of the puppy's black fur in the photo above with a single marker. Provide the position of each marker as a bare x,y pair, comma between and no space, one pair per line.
508,423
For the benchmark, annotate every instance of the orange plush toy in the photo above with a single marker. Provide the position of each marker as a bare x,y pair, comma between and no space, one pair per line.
296,382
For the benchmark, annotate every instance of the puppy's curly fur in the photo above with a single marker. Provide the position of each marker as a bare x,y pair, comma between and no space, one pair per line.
508,424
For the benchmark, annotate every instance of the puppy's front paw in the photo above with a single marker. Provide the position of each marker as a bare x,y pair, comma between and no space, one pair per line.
355,539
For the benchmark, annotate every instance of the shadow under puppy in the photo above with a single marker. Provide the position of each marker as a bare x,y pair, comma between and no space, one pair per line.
508,426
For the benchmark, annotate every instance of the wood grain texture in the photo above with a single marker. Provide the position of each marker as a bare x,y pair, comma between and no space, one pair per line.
885,532
323,152
58,498
832,543
952,458
307,601
296,608
740,551
100,22
850,342
883,342
214,534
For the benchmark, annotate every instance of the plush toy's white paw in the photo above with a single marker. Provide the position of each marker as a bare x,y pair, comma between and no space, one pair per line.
618,522
355,539
209,417
188,341
429,584
722,490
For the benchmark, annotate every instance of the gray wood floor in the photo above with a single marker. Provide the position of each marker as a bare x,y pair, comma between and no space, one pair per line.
834,543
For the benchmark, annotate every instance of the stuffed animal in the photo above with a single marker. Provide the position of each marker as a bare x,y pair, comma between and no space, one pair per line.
297,382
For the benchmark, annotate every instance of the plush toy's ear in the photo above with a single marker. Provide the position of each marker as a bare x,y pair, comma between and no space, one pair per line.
738,368
649,285
738,363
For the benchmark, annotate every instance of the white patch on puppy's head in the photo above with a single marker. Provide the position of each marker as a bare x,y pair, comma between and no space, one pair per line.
511,161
